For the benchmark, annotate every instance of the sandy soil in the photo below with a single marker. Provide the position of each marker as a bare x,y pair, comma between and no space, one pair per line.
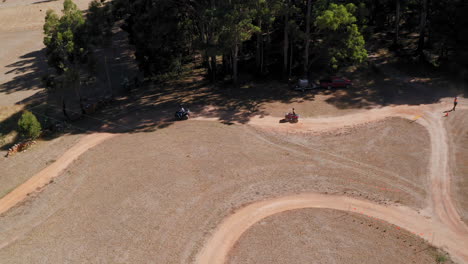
22,60
278,109
328,236
457,132
163,195
391,152
17,169
445,222
47,175
165,181
23,15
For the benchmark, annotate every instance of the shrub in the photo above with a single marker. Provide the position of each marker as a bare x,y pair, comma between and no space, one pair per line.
440,258
28,126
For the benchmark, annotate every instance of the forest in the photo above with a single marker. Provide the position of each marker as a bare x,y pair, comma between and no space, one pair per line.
275,38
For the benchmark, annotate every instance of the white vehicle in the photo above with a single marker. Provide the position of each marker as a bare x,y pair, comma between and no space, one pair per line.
304,84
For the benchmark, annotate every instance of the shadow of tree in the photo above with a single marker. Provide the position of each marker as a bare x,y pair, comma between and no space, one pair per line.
152,106
29,70
7,126
395,82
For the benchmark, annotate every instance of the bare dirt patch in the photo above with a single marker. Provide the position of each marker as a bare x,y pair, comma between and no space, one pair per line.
22,15
22,56
457,133
158,195
328,236
18,168
391,157
306,108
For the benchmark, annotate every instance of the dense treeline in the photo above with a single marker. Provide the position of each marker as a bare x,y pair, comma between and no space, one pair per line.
277,35
281,37
292,37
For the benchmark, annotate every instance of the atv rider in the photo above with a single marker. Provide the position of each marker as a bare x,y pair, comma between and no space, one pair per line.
182,109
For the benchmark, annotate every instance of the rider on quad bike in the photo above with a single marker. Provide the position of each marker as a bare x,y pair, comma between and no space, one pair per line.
182,114
292,117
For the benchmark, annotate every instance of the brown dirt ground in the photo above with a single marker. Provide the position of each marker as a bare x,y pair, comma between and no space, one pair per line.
18,168
457,127
328,236
390,155
22,15
158,195
321,109
21,57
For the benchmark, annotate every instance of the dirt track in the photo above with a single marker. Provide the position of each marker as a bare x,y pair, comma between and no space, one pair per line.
41,179
447,226
329,236
448,231
58,219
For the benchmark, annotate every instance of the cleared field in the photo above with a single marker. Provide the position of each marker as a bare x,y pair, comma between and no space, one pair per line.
457,129
22,58
328,236
19,168
158,195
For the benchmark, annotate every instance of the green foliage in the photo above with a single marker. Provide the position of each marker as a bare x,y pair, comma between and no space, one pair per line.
342,40
99,22
64,38
336,16
160,32
441,258
236,25
29,126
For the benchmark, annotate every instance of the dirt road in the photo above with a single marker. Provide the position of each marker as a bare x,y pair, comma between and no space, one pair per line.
42,178
219,245
444,229
445,225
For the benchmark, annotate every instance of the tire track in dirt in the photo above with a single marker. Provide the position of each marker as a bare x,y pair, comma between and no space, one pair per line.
352,164
219,245
41,179
447,227
441,198
451,233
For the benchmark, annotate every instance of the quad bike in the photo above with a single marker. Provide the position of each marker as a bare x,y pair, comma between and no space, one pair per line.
291,117
182,115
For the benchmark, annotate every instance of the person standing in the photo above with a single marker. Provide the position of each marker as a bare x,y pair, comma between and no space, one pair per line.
455,102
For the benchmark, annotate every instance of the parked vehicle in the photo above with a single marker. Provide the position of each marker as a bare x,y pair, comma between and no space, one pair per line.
335,82
304,84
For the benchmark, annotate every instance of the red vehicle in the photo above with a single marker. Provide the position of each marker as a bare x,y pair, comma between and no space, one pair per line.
291,117
335,82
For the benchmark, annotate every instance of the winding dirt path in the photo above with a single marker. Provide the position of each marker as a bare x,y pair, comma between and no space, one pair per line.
42,178
445,228
219,245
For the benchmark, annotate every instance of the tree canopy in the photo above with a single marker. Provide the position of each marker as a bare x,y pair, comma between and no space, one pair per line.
288,36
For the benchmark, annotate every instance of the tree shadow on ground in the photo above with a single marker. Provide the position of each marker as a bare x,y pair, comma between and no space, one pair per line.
29,71
7,126
152,106
389,81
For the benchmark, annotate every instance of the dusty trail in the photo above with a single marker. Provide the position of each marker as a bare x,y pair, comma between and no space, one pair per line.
47,174
442,204
336,122
219,245
445,229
